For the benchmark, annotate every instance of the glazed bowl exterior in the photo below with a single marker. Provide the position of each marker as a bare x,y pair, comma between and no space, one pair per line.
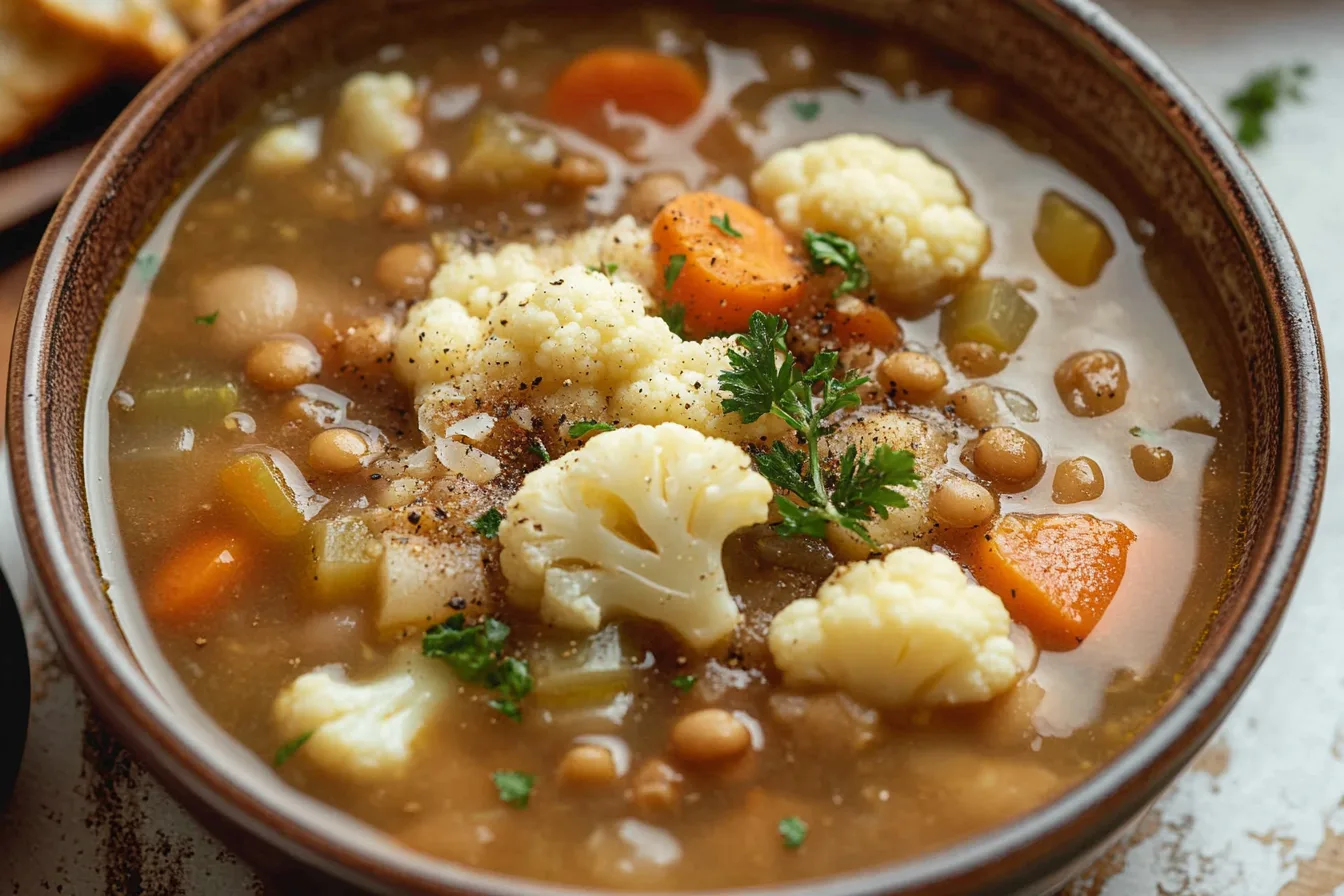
1073,61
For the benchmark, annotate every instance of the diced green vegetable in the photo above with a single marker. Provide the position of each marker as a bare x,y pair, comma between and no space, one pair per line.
989,311
345,559
193,405
507,154
1071,241
591,675
254,484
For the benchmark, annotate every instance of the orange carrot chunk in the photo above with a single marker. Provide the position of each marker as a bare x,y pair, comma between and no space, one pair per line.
721,259
1056,573
854,320
664,88
195,579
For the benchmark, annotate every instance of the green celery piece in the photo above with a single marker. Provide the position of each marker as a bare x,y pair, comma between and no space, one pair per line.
989,311
345,559
186,405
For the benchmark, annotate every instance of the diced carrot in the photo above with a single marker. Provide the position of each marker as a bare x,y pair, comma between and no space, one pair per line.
194,580
854,320
1056,573
721,259
664,88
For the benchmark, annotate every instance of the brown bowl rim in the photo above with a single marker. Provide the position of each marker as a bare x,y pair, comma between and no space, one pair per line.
1027,850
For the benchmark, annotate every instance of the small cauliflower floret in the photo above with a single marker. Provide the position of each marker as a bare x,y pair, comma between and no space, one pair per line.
909,525
436,342
906,214
908,629
622,250
374,119
363,731
633,523
286,148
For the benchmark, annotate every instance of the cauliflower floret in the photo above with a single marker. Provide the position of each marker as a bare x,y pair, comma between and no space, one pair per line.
286,148
577,339
633,523
476,280
906,629
375,118
363,731
909,525
906,214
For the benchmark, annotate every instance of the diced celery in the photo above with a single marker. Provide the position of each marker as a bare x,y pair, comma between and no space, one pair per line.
592,675
992,312
185,405
1071,241
507,154
254,484
345,559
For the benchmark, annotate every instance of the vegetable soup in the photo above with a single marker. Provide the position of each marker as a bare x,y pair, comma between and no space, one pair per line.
670,450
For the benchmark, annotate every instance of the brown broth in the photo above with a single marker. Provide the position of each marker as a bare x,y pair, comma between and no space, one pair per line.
930,777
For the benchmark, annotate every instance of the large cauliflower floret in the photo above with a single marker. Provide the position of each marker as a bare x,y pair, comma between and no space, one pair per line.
906,214
579,343
362,731
622,249
908,629
375,117
633,523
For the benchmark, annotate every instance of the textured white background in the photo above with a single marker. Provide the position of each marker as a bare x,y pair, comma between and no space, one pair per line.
1261,813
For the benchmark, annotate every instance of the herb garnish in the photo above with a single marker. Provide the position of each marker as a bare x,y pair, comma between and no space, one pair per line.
764,378
832,250
583,427
537,448
1139,432
1262,95
806,110
289,748
608,268
725,225
476,655
208,319
793,830
675,317
487,524
684,683
514,788
673,270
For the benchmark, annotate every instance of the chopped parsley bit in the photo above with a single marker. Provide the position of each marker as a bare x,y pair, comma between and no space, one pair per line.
608,269
487,524
208,319
514,787
537,448
675,317
684,683
476,655
725,225
806,110
763,377
1139,432
583,427
832,250
1261,95
673,270
793,830
289,748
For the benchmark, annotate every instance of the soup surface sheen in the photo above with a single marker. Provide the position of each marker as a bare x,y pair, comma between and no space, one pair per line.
295,518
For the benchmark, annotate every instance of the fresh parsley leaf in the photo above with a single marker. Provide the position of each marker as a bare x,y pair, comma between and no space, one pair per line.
608,268
805,110
673,270
832,250
537,448
684,683
476,654
763,377
511,678
1261,95
1140,432
583,427
514,788
487,524
725,225
675,317
289,748
793,830
506,707
208,319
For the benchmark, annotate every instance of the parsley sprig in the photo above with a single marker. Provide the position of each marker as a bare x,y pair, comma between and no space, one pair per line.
764,377
476,654
832,250
1262,94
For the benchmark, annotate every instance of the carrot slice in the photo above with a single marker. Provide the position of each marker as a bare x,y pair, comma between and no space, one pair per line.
194,579
664,88
854,320
721,259
1056,573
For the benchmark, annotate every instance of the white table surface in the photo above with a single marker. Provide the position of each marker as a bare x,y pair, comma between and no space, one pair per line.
1261,812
